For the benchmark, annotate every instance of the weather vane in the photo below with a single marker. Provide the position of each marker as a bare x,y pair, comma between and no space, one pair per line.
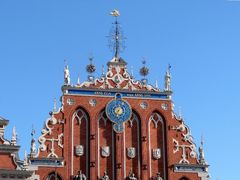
116,38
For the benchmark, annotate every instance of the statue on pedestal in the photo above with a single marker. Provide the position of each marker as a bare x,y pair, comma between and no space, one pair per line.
81,176
131,175
105,176
158,177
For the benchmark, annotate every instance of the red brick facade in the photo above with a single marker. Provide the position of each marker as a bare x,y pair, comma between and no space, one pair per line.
82,141
82,121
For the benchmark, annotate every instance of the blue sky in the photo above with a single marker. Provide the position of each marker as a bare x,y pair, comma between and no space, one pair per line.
200,38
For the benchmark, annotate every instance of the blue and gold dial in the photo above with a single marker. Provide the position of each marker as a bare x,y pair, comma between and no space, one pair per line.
118,111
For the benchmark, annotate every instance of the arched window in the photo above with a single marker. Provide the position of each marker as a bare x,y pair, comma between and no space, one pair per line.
53,176
132,142
156,135
106,146
80,142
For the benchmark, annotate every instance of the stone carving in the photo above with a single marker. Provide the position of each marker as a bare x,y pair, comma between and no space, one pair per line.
131,175
156,153
131,152
14,136
70,102
165,106
105,176
144,105
79,150
117,76
158,177
46,131
66,75
168,79
192,148
105,151
186,137
93,102
80,176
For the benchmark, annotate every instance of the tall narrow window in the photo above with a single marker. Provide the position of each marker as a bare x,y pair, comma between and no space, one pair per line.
80,142
106,146
132,147
157,145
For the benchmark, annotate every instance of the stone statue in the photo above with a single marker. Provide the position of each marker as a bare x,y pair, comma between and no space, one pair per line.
105,176
131,175
168,79
81,176
66,75
158,177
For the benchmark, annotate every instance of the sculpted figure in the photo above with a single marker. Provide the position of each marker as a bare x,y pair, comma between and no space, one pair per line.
158,177
81,176
131,176
105,176
66,76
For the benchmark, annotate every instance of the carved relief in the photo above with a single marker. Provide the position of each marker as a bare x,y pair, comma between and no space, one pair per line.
105,151
131,152
46,132
79,150
118,76
184,147
156,153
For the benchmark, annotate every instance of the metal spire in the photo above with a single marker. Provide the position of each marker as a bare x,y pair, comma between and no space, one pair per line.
116,40
33,150
201,153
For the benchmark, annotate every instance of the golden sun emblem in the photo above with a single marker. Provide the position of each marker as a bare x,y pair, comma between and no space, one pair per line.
118,111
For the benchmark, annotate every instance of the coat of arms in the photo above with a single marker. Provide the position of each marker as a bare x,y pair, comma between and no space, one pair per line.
79,150
105,151
156,153
131,152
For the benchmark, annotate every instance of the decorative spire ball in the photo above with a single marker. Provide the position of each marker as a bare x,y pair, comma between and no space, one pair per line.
144,71
91,67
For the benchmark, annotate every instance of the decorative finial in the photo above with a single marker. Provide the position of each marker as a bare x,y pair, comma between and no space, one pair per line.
156,84
168,79
25,161
180,112
14,136
78,80
103,72
132,76
201,153
54,105
144,71
115,13
33,150
66,74
116,38
91,69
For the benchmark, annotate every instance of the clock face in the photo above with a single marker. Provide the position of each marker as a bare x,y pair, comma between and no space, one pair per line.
118,111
